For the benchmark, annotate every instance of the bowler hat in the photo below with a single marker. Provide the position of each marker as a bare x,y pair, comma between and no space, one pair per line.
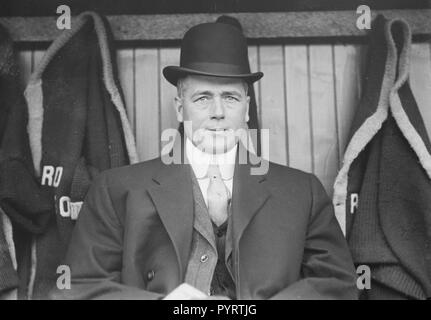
213,49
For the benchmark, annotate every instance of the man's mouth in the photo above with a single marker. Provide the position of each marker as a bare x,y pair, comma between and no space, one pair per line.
217,130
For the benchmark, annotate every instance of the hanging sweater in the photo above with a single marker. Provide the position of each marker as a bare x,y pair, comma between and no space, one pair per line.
77,128
8,273
382,194
24,205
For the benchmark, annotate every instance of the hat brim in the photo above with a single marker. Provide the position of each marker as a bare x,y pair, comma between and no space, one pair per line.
173,73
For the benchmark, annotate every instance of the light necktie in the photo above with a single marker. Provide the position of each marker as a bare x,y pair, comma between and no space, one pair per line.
218,196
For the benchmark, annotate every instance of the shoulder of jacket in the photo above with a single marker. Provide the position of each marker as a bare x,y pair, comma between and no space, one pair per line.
279,170
130,174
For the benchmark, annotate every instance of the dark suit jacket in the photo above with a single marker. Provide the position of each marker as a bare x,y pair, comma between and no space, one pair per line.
133,236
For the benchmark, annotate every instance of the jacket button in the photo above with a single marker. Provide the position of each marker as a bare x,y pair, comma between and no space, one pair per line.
150,275
204,258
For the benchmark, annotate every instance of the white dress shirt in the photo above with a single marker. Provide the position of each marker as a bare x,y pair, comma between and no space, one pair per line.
200,162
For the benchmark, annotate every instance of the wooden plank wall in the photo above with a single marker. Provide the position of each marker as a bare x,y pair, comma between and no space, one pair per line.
307,97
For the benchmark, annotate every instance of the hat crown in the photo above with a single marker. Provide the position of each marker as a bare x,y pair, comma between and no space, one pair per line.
213,49
215,43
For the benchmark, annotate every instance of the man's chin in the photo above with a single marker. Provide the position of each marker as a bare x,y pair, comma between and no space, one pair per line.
217,147
214,142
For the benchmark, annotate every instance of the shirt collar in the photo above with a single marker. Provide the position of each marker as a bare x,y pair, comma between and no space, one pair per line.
200,161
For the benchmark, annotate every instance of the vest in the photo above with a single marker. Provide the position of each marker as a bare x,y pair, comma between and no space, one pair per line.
204,262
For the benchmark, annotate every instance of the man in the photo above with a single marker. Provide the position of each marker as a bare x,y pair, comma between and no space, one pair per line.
209,226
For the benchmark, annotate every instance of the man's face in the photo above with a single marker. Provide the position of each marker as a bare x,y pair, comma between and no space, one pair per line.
216,108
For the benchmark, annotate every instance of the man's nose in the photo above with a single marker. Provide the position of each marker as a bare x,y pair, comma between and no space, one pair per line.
217,109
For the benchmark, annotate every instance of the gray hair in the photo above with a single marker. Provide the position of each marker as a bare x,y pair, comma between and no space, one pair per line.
180,87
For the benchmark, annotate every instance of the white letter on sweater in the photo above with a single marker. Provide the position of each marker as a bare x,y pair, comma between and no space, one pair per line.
354,201
47,175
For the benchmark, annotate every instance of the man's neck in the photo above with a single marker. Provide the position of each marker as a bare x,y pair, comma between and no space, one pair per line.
200,160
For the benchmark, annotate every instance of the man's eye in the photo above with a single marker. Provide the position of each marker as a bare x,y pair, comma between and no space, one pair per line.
201,99
231,99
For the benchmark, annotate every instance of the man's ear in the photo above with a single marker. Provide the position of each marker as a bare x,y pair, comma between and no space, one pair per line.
247,117
178,105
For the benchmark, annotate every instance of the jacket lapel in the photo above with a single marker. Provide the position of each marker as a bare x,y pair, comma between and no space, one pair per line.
172,195
202,220
248,195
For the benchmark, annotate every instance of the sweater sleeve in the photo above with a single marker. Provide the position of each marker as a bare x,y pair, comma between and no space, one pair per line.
8,274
